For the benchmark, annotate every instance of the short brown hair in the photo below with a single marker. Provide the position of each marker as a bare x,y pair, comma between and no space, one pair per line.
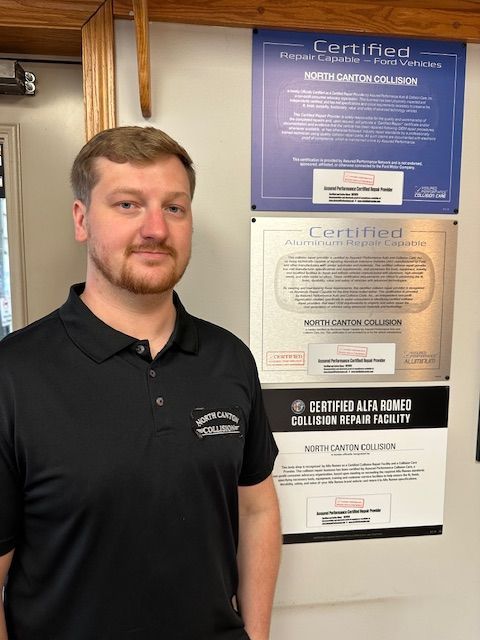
138,145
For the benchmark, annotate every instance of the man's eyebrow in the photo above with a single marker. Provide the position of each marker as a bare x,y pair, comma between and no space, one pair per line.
138,193
179,194
127,190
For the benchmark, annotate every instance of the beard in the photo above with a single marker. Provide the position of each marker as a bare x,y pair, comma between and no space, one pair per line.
138,283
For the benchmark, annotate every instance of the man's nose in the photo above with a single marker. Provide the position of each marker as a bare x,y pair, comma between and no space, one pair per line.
154,224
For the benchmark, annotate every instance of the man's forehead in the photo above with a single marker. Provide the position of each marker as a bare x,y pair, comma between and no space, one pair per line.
127,171
102,162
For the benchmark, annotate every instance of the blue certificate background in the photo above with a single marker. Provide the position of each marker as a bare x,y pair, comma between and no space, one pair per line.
426,140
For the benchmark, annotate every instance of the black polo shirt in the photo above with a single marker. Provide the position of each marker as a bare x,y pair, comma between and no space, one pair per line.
119,477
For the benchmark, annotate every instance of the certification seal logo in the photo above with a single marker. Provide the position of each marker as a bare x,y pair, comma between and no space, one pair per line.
298,406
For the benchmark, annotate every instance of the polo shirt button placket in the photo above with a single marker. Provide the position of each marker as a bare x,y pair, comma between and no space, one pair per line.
158,401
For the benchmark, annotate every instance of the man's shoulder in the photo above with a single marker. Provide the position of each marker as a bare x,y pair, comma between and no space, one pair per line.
224,337
31,337
214,339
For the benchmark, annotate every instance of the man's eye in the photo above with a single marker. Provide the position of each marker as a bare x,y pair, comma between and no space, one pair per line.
126,206
173,208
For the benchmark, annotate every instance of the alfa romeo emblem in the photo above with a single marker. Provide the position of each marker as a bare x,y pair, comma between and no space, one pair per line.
298,406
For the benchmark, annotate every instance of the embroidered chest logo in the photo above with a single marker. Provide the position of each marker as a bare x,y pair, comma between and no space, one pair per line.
208,423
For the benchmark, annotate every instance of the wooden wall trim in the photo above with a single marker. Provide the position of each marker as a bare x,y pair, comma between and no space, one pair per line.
142,32
53,26
443,19
46,27
66,14
99,70
41,41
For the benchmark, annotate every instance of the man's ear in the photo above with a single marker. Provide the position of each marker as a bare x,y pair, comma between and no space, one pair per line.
79,212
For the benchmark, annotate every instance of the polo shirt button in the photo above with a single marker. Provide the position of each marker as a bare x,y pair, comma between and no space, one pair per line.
140,348
159,401
152,373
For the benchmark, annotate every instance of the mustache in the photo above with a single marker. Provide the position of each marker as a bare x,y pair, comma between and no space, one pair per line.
153,246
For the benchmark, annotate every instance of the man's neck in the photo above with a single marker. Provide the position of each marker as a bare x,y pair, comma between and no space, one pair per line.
146,317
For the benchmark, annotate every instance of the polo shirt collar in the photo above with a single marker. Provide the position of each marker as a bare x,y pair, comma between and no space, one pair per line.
185,334
100,341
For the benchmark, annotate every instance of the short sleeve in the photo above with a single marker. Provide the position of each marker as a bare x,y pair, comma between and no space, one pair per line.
260,447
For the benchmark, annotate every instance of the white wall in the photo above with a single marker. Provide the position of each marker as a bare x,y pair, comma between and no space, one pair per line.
51,133
422,588
201,96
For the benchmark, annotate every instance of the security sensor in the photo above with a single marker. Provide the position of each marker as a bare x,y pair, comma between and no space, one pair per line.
14,80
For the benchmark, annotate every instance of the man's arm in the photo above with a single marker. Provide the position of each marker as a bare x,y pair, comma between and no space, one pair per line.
5,562
258,555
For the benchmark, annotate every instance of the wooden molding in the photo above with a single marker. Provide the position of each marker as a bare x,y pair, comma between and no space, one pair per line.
66,14
99,70
140,15
436,19
53,27
41,41
47,27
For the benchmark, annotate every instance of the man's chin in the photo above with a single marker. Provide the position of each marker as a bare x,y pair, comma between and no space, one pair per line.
145,288
147,284
141,280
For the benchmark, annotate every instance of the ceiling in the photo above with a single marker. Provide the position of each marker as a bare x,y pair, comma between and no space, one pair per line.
53,27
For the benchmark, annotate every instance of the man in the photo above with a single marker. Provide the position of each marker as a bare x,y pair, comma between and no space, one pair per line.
136,500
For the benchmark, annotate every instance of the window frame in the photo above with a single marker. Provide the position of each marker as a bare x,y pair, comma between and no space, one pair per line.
10,139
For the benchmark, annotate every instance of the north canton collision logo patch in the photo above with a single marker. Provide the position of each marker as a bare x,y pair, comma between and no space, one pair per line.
208,423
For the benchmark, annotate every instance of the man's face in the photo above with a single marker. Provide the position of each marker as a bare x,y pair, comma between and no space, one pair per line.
138,227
